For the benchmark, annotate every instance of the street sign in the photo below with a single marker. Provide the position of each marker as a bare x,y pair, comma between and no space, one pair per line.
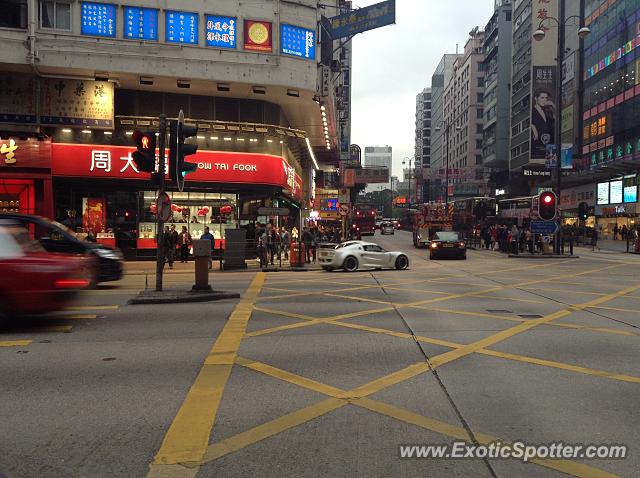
344,195
544,227
344,209
363,19
163,206
273,211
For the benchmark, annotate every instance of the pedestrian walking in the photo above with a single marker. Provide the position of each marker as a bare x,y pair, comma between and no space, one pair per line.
169,245
594,239
285,242
624,232
184,240
307,240
615,232
208,236
572,238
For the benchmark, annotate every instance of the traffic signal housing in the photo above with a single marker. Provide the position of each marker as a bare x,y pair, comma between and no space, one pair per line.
178,150
583,211
547,206
145,154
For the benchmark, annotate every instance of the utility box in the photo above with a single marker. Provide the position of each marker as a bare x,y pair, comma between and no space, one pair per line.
201,248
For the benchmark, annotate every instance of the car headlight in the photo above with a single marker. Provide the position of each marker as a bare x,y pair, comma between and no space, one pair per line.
108,254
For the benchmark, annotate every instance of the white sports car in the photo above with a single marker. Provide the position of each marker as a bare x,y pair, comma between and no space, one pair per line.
354,255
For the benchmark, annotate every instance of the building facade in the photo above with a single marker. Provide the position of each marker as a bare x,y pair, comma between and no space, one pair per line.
78,77
497,101
378,156
440,78
464,110
422,154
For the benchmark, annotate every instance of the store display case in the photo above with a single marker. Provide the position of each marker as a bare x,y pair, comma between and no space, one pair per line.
146,236
106,238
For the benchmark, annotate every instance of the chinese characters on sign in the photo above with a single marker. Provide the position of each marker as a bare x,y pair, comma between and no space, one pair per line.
221,31
257,35
98,19
17,98
181,27
76,102
543,114
8,150
298,41
141,23
363,19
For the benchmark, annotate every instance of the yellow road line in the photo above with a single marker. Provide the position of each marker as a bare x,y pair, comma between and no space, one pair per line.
93,307
509,299
14,343
188,436
563,291
617,309
357,299
69,316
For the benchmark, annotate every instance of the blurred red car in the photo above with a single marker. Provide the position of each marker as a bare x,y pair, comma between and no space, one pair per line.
33,281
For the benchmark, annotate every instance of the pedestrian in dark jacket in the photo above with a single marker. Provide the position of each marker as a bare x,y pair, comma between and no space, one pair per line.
184,241
169,245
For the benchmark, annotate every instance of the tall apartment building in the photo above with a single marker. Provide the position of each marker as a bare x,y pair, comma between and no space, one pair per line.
463,108
497,101
378,156
422,153
440,78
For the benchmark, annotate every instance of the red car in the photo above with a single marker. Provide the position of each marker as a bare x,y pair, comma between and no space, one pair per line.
33,281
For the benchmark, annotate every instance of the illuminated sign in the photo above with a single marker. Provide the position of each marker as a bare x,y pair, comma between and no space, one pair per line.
614,56
603,193
140,23
615,192
297,41
257,35
181,27
631,194
98,19
8,150
220,31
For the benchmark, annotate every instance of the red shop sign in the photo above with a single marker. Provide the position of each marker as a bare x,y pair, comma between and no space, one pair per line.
116,162
31,153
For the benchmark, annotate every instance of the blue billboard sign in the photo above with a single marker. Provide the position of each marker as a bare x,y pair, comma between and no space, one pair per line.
221,31
181,27
544,227
631,193
98,19
363,19
141,23
297,41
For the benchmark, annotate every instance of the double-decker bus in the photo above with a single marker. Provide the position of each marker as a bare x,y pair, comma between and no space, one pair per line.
471,213
364,218
516,210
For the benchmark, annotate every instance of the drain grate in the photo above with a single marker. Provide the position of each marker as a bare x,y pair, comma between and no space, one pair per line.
530,316
499,311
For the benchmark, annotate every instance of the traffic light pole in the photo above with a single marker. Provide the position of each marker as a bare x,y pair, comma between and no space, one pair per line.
160,252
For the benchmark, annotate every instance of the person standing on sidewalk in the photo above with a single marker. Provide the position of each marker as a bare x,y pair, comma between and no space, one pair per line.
572,238
169,245
285,242
208,236
184,239
594,239
615,232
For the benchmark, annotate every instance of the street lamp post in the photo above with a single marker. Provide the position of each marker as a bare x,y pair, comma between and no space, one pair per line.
539,35
447,125
410,175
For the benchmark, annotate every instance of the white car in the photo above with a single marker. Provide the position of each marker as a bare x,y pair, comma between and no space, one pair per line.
354,255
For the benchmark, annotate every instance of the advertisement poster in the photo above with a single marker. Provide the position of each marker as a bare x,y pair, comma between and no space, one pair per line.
81,103
603,193
543,113
94,214
298,41
615,192
631,194
181,27
98,19
221,31
141,23
257,35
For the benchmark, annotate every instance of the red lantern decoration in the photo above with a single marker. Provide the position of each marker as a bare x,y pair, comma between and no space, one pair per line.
226,209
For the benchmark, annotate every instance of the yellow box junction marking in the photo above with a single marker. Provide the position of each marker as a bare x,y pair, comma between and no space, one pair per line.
188,436
14,343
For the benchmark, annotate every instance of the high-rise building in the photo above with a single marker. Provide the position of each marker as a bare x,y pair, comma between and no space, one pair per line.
439,79
422,155
378,156
497,101
463,109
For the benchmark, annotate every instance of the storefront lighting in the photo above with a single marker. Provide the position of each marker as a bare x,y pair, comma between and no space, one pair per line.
66,130
86,131
213,138
313,156
109,133
324,114
322,108
281,142
269,141
253,140
200,137
239,139
227,139
129,133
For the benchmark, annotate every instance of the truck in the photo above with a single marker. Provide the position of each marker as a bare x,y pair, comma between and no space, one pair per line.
431,218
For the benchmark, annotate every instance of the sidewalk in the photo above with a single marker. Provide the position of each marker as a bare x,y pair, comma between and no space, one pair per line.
609,245
149,267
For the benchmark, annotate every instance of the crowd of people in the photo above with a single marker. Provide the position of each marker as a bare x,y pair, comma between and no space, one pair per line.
517,240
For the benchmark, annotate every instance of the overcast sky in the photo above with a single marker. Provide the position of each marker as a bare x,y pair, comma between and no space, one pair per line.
391,65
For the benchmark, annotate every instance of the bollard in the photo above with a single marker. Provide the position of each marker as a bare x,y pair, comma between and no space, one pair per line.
202,253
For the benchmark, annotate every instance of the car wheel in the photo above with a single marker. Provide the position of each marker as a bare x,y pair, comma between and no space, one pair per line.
402,263
350,264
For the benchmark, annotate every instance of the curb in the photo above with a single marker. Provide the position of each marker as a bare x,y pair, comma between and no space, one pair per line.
542,256
183,296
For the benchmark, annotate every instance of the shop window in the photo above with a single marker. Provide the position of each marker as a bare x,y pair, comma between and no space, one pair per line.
14,14
55,14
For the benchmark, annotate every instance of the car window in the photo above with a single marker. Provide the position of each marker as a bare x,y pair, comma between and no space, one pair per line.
373,248
447,236
16,242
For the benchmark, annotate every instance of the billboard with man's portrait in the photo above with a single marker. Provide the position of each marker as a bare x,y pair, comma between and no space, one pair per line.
543,114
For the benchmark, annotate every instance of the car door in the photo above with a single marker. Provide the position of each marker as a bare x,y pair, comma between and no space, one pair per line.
373,256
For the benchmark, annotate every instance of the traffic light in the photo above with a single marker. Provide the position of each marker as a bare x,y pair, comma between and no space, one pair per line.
178,149
583,211
145,155
547,206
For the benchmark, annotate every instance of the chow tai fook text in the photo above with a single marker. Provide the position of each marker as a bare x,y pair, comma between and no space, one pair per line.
81,160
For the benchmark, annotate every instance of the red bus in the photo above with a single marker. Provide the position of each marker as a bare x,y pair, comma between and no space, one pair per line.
365,220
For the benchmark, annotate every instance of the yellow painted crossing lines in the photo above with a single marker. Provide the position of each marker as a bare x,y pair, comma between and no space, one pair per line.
14,343
93,307
188,436
617,309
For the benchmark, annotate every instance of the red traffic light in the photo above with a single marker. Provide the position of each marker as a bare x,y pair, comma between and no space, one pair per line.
547,199
547,203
